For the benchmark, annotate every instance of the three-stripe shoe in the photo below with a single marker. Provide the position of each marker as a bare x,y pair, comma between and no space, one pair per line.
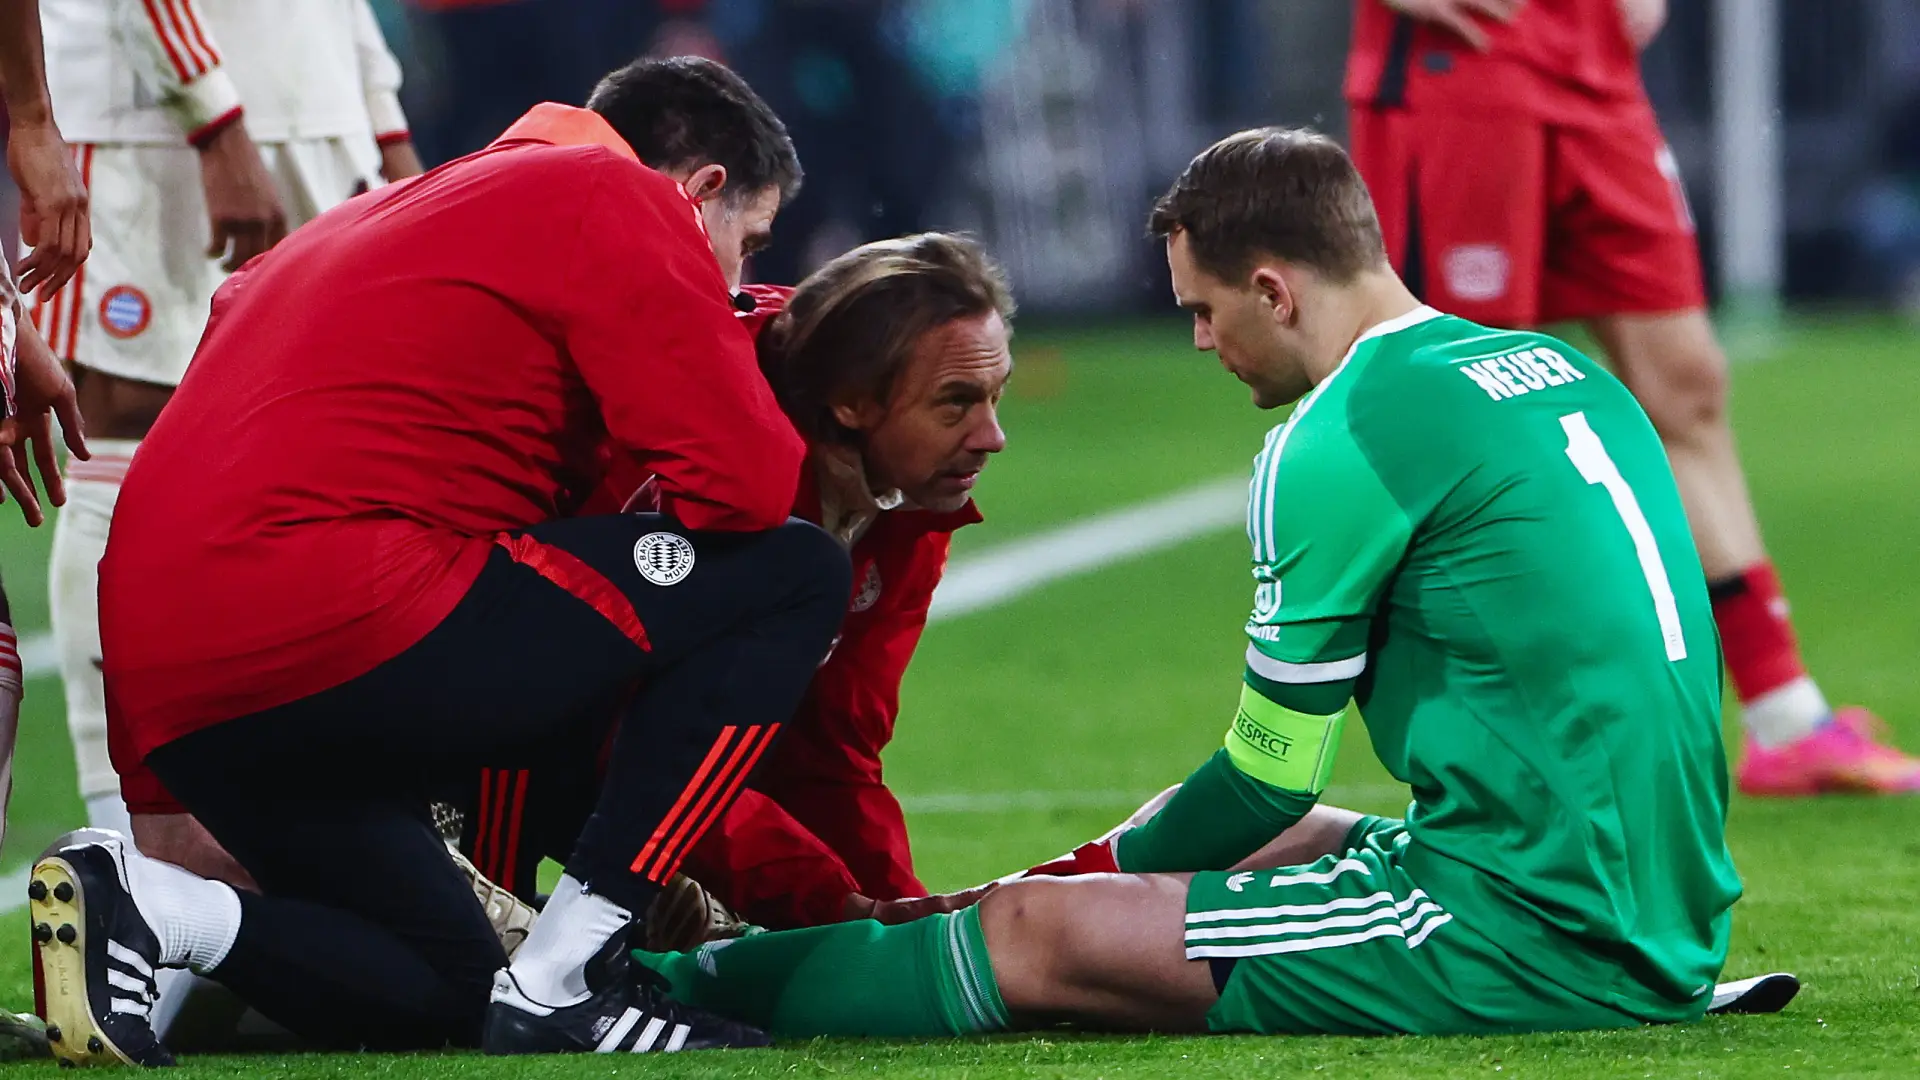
625,1012
94,954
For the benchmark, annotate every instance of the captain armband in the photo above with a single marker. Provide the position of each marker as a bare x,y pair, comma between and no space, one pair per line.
1280,746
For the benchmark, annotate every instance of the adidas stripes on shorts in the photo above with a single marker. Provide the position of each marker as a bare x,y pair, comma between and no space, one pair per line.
1351,945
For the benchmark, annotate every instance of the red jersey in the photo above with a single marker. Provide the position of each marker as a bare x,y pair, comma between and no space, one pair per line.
1555,58
818,821
397,383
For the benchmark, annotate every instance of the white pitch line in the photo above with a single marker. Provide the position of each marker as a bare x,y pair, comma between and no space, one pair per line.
1010,570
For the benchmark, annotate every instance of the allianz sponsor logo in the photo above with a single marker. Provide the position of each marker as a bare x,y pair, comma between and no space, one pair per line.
1516,374
1263,633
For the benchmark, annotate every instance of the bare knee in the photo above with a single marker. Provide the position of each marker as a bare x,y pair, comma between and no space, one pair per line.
1025,924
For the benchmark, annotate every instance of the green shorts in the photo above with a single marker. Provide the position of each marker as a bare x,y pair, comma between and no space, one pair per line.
1349,945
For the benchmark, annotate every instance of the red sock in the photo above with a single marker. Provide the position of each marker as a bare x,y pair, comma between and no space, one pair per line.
1755,636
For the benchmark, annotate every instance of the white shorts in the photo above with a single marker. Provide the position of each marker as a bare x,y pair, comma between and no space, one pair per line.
137,306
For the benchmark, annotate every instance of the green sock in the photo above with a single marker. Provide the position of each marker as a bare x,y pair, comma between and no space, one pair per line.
928,977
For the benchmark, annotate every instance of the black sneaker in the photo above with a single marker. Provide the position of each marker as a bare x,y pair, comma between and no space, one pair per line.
626,1012
95,954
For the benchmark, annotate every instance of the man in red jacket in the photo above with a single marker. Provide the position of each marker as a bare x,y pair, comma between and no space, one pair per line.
346,569
891,360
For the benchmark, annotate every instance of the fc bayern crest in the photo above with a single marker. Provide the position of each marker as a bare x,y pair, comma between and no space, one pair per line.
869,593
663,558
125,311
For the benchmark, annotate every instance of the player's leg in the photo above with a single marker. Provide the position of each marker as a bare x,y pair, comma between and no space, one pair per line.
1626,261
1102,949
735,627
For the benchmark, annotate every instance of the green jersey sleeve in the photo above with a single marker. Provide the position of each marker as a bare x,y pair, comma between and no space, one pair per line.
1327,537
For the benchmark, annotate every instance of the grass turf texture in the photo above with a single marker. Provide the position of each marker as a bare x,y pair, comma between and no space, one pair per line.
1027,728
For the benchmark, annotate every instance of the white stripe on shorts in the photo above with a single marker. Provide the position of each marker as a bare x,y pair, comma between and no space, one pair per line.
1420,904
1402,929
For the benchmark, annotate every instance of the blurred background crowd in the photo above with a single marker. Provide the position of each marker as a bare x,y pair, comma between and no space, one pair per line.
1045,126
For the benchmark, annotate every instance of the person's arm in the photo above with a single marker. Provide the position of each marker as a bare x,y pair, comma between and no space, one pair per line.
1327,538
175,52
649,324
40,392
380,83
53,198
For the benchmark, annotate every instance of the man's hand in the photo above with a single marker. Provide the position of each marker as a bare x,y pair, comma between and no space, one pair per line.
181,840
1460,16
893,912
53,206
44,391
399,160
243,207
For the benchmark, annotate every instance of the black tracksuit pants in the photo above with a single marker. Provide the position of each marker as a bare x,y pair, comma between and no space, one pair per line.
366,934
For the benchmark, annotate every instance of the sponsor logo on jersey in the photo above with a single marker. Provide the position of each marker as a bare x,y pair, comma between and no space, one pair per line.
1263,633
663,558
1523,372
1476,271
125,311
1239,882
869,592
1266,601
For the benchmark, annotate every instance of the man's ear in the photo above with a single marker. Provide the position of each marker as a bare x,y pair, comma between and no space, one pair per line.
1273,288
863,415
706,182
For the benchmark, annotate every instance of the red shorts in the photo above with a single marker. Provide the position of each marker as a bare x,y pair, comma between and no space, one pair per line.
1516,221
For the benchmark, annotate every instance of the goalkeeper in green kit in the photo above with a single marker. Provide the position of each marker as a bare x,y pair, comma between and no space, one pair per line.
1470,536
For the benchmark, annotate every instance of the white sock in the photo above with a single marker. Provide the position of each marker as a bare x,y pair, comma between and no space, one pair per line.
73,591
10,691
195,919
1786,715
109,812
551,966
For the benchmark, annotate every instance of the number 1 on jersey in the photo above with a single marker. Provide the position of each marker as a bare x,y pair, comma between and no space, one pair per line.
1588,455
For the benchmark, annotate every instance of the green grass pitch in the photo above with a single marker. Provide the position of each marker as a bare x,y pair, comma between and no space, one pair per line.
1030,727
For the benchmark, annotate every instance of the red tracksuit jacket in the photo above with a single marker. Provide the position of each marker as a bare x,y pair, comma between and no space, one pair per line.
398,382
817,821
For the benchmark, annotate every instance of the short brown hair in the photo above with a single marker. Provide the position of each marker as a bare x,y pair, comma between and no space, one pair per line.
1291,193
852,324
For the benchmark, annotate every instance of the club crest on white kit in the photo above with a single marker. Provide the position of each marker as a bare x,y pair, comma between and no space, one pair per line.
663,558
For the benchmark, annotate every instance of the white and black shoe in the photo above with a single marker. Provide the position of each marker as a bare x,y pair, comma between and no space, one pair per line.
1760,994
95,954
626,1012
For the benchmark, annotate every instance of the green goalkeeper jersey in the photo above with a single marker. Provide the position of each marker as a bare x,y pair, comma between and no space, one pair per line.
1480,527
